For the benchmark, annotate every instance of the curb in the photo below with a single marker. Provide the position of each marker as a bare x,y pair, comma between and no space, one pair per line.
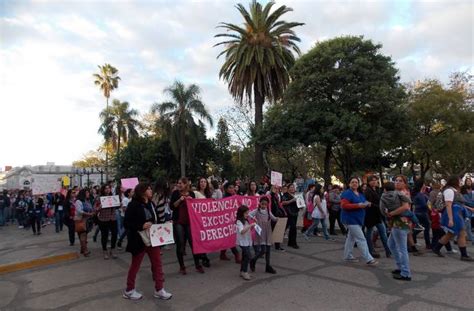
44,261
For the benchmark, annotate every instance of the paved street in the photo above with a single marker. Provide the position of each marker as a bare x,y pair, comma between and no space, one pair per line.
312,278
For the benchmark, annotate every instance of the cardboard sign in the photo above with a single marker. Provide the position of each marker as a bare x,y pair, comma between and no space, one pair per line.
110,201
276,179
161,234
129,183
279,230
300,200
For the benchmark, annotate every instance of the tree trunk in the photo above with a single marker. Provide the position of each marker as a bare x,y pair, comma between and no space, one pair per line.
182,157
107,150
258,102
118,144
327,165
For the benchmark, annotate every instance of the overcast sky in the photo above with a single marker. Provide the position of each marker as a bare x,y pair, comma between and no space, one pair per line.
49,50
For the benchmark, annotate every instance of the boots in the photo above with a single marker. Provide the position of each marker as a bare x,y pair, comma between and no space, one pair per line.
83,242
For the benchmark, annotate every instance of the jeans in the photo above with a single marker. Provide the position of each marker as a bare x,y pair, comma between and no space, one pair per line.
120,228
383,236
469,230
333,217
398,245
182,233
425,222
244,266
105,227
315,224
261,250
156,268
20,217
59,215
292,220
356,235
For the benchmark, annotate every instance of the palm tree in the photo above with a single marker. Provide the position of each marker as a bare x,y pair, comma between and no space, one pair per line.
107,80
258,57
177,118
119,123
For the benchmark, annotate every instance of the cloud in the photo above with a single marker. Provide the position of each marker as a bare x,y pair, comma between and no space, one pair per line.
50,49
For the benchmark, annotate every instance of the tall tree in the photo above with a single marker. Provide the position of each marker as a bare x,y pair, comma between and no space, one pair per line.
107,80
119,123
177,119
258,57
222,143
343,91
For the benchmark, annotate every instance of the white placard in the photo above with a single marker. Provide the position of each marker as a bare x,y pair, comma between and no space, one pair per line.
300,200
276,179
110,201
45,184
161,234
258,229
279,230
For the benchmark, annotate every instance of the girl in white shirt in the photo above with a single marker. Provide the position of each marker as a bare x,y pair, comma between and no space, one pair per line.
319,214
244,239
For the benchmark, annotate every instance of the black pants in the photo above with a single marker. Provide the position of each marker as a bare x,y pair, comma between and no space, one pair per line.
244,266
105,227
261,250
333,217
425,222
292,220
438,234
182,233
35,224
70,229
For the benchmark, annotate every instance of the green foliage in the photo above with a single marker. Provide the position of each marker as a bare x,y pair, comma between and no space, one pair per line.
223,153
176,117
107,79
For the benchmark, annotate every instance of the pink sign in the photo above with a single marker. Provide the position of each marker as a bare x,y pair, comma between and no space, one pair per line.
213,221
129,183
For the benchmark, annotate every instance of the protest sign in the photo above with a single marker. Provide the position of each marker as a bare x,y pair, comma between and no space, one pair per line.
300,200
45,184
279,230
213,221
129,183
276,178
110,201
161,234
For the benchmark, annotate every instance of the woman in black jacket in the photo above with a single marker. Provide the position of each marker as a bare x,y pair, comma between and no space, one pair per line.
139,216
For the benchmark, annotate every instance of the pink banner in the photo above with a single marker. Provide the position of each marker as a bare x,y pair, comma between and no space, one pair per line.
213,222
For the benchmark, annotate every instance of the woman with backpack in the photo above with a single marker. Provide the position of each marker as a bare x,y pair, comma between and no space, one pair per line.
452,220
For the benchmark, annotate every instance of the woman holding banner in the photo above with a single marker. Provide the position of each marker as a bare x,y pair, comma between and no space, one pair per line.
107,222
181,224
140,215
229,190
203,192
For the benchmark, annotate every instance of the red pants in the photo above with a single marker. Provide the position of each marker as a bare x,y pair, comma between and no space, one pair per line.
156,268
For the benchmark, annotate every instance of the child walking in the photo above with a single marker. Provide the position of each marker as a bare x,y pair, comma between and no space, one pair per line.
263,239
244,239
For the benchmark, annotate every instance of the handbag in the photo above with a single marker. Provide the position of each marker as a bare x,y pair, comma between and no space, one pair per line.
80,226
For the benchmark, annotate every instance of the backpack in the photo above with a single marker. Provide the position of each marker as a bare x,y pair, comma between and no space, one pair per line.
439,204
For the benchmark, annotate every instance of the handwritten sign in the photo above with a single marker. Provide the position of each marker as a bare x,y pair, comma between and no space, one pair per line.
161,234
129,183
300,200
110,201
279,230
45,184
276,179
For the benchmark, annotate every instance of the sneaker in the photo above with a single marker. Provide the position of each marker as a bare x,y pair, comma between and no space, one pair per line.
467,258
269,269
396,271
352,260
401,277
200,269
453,251
106,255
419,228
307,238
295,246
162,294
206,263
246,276
331,240
375,255
132,295
318,234
21,227
281,249
182,270
372,263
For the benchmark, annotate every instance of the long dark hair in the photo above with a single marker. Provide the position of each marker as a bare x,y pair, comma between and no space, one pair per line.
207,190
162,187
452,182
418,186
139,192
317,191
240,213
82,195
248,187
102,189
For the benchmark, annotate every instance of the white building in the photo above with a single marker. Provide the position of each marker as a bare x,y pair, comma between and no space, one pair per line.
23,177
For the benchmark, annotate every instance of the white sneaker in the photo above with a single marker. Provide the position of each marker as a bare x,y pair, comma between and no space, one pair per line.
20,227
453,251
132,295
162,294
